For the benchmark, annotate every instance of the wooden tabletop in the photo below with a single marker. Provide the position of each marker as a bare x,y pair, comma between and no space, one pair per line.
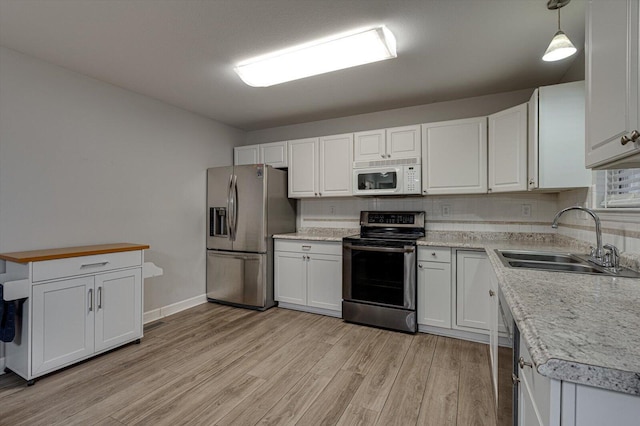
61,253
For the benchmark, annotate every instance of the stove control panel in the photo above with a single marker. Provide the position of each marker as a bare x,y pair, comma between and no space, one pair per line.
394,219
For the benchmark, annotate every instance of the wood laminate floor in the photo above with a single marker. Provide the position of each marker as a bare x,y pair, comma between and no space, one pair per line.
218,365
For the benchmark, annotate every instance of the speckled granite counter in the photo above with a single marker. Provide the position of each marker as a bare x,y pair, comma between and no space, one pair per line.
319,234
580,328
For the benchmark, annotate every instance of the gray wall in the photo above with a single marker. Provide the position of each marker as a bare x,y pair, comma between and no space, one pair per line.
85,162
462,108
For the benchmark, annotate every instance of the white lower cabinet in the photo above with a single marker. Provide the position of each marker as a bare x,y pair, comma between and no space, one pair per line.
434,286
63,323
473,282
308,275
118,308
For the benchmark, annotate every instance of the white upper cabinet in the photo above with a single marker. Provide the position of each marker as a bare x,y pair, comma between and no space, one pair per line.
303,169
508,150
403,142
274,154
612,83
249,154
370,146
321,167
335,165
387,144
557,137
454,157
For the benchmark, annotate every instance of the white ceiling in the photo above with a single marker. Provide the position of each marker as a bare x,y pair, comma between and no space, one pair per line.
183,51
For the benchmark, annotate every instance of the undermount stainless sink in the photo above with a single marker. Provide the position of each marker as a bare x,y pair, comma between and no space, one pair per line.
558,262
540,256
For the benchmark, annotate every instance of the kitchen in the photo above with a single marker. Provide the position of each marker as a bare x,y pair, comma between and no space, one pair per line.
86,162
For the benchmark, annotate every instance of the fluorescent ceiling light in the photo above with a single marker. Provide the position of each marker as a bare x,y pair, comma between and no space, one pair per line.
319,57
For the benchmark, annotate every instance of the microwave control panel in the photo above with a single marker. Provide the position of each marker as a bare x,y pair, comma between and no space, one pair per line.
412,180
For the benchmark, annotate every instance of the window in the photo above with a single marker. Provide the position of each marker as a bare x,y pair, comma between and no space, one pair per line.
619,188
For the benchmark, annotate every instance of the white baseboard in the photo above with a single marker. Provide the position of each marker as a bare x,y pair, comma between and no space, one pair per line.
174,308
310,309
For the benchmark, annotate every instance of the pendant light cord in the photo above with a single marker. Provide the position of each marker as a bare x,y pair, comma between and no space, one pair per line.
558,19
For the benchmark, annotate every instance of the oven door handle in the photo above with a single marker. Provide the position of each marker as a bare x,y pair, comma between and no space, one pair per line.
383,249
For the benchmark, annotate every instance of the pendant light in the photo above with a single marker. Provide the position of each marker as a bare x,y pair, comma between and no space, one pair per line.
560,46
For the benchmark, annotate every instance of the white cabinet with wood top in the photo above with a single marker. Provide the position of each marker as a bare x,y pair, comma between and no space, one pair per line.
308,276
387,144
454,157
80,302
613,88
508,150
321,167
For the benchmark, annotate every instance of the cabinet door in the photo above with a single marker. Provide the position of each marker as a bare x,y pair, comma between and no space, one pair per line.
249,154
324,281
508,150
454,157
274,154
434,294
526,408
473,272
494,319
369,145
290,281
404,142
612,79
336,165
118,302
63,323
303,168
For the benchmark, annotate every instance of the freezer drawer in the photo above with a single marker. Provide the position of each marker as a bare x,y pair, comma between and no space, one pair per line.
237,278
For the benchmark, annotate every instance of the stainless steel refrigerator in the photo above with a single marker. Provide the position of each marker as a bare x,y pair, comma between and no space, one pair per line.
246,206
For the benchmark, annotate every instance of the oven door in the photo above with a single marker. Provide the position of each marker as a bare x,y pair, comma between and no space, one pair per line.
381,180
379,273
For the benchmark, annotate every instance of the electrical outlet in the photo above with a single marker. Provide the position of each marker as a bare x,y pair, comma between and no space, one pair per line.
446,210
526,210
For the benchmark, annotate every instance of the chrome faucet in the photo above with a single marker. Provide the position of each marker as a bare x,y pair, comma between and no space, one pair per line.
597,254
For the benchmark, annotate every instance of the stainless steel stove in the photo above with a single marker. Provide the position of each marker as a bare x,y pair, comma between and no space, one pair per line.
379,270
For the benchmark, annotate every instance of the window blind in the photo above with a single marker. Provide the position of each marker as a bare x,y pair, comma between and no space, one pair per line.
622,188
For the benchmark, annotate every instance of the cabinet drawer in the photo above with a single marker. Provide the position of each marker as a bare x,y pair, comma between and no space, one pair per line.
59,268
434,254
306,246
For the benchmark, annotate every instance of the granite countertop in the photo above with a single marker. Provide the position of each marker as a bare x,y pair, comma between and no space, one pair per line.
319,234
577,327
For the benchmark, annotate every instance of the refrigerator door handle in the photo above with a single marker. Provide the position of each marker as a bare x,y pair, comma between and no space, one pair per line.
234,194
229,209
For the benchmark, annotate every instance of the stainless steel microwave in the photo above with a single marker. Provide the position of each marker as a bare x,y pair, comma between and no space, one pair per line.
388,180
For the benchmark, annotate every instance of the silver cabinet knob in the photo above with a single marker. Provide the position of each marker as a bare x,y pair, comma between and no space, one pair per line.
420,265
514,379
635,135
315,193
531,182
382,155
624,140
320,194
489,190
424,191
492,293
522,363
